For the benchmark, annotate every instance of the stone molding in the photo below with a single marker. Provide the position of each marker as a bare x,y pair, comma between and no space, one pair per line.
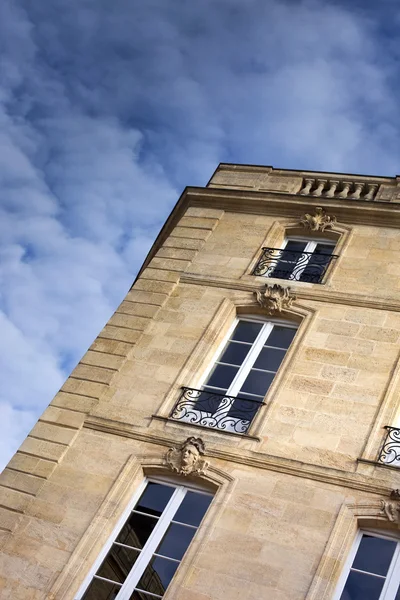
258,460
319,221
275,298
187,458
301,292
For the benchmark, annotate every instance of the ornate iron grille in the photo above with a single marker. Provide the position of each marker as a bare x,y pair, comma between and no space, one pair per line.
209,409
293,265
390,451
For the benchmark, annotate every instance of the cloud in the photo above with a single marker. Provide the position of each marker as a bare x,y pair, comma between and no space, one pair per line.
107,110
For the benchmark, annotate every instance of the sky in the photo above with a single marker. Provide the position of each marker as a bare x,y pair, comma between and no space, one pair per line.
109,109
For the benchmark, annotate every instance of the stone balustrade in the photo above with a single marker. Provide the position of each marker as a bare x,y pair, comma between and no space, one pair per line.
330,188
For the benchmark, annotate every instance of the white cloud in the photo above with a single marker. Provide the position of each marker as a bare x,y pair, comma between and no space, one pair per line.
108,110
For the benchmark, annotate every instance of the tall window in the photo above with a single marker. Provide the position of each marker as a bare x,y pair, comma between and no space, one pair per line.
298,260
374,570
239,378
145,551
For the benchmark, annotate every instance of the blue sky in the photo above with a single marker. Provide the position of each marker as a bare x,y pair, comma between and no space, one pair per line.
108,109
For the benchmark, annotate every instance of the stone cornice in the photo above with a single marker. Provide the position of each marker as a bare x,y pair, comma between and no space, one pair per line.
302,293
258,460
292,206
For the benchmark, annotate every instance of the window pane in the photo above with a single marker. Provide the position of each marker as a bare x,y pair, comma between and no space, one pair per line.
244,409
295,246
101,590
222,376
117,564
176,540
257,382
246,331
374,555
154,498
158,575
362,587
193,508
137,530
269,358
235,353
324,249
281,336
398,594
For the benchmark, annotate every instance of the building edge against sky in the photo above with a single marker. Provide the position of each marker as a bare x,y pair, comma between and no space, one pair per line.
233,431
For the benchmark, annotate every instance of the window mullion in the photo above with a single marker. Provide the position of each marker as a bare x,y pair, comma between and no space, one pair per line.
250,359
151,545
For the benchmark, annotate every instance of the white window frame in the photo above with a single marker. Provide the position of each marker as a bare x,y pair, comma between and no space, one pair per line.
128,587
245,367
311,244
392,582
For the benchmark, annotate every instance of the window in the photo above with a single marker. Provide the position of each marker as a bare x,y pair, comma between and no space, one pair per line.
143,555
239,378
298,260
374,570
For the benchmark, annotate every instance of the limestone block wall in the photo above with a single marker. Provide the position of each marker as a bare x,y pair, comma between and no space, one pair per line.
288,479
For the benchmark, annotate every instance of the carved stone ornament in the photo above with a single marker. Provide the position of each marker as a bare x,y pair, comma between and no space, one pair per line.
275,298
187,459
319,221
391,508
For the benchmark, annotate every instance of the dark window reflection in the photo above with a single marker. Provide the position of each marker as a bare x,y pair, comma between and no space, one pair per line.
117,564
374,555
176,541
137,530
246,331
222,376
257,382
281,336
269,359
235,353
193,508
158,575
362,587
154,498
101,590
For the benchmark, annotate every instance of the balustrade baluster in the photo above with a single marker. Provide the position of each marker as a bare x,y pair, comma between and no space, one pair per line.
345,189
307,187
332,189
320,187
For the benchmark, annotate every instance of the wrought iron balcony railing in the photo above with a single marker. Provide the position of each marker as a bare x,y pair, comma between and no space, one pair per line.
293,265
390,451
210,409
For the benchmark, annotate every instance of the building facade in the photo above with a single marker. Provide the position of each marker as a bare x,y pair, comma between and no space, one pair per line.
234,430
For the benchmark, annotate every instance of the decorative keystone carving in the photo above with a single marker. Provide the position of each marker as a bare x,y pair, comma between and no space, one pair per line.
187,459
275,298
318,222
391,508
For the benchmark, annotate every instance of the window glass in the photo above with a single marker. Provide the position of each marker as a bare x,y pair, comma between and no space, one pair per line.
246,331
137,530
371,566
193,508
360,586
235,353
155,498
374,555
281,337
161,541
